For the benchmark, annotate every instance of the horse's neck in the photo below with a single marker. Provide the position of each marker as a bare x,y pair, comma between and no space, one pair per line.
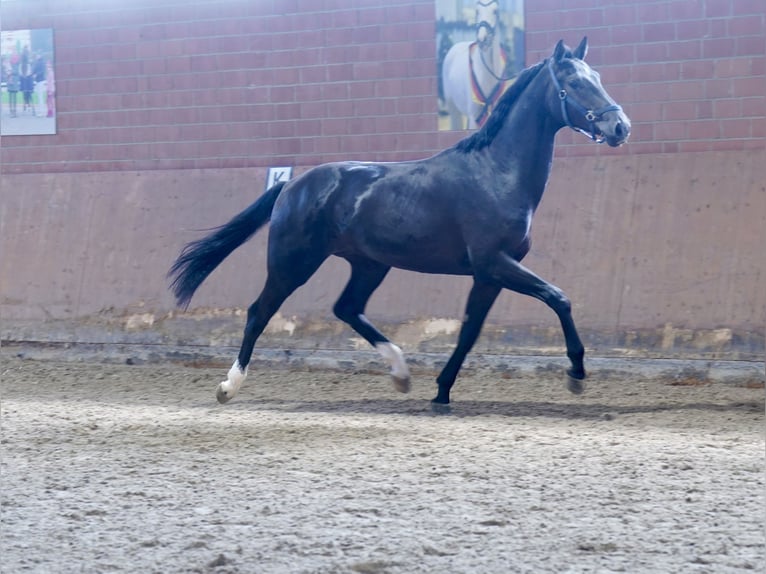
488,62
494,57
523,148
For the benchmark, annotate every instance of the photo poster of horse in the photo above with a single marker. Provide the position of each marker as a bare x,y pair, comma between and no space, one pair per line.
479,52
27,83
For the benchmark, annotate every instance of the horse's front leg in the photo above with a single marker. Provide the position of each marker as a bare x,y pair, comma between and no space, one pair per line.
514,276
480,300
473,111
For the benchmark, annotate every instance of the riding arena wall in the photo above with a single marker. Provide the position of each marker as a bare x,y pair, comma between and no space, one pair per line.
170,114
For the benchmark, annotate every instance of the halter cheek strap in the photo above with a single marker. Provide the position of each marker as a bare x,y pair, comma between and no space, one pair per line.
591,116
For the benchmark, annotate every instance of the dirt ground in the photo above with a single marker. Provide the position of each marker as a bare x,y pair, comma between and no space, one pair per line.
136,468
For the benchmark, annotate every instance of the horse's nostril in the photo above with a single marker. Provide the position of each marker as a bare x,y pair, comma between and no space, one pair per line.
622,130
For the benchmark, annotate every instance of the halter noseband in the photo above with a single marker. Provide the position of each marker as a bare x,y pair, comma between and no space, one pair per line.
591,116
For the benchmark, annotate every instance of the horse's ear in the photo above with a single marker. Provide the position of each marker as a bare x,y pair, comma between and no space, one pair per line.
559,51
582,49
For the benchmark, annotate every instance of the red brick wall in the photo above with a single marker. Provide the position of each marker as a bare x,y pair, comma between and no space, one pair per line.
160,84
690,73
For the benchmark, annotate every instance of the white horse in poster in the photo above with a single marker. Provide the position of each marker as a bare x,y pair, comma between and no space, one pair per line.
473,73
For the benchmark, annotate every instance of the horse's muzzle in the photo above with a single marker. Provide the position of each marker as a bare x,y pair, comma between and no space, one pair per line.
484,34
614,127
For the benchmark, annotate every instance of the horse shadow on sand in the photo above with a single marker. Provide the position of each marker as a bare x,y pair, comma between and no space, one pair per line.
478,408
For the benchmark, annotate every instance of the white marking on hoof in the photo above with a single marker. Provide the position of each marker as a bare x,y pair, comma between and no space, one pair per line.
400,372
402,385
230,387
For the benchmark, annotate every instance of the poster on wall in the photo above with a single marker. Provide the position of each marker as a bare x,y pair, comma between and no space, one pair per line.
480,50
28,83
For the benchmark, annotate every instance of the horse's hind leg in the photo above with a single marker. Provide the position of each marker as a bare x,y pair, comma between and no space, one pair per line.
279,286
366,276
258,316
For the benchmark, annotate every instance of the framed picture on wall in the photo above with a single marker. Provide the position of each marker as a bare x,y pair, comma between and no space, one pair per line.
480,50
28,83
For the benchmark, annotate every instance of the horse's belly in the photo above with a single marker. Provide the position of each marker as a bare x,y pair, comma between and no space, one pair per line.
434,265
416,254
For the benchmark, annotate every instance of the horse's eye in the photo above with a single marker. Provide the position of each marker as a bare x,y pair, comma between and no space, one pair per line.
575,84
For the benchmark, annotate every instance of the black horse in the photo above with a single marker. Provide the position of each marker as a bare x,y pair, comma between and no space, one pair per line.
465,211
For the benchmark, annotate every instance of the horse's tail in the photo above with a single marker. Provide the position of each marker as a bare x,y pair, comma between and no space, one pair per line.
199,258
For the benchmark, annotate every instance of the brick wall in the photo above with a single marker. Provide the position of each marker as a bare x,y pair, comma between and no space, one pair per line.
690,73
162,84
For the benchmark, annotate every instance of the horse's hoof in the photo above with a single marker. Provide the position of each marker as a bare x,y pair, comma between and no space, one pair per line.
402,384
440,408
222,396
575,386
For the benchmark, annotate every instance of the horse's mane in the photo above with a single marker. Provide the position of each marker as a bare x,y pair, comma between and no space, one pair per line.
489,130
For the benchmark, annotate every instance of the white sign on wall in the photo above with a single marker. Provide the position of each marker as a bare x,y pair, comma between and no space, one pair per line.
278,175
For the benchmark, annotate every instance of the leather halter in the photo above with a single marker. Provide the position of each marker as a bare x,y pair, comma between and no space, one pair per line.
591,116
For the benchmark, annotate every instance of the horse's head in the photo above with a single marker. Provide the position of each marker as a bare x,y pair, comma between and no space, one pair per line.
584,104
486,21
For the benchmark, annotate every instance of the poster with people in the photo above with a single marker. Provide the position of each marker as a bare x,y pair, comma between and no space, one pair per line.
480,50
27,83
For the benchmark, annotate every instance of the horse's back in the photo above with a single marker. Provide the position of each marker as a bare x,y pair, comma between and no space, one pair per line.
394,213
